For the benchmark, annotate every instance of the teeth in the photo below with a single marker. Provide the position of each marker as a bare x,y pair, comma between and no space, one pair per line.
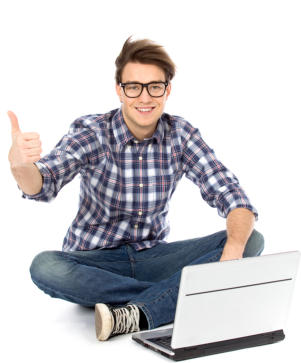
144,109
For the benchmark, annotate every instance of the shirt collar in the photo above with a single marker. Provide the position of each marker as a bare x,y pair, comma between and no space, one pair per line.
123,135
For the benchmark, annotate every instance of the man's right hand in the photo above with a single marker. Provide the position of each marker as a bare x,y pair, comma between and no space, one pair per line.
26,146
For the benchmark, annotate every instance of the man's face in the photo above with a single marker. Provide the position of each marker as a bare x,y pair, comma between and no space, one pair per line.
141,114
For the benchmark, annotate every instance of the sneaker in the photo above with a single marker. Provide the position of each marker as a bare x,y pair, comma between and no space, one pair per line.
114,321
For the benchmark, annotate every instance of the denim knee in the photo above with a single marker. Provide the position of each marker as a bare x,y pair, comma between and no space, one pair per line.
40,268
255,244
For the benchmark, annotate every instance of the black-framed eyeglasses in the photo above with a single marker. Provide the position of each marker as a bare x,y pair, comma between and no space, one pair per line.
135,89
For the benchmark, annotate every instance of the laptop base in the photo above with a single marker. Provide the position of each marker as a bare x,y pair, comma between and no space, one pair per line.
218,347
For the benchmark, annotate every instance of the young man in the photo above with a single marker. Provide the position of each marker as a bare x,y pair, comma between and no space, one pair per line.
130,159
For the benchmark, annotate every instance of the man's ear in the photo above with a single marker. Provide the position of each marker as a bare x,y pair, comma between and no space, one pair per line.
168,90
119,91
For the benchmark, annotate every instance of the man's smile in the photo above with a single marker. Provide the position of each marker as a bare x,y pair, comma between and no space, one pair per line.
144,110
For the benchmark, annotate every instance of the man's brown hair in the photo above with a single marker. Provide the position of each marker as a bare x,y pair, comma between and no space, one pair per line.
144,51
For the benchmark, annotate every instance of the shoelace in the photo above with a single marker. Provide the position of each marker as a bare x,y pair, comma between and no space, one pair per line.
126,320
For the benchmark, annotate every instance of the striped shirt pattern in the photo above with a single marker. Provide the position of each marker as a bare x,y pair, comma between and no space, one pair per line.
126,184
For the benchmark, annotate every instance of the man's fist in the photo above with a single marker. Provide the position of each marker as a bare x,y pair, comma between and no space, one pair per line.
26,146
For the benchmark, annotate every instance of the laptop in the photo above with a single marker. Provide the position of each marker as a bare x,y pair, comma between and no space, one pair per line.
229,305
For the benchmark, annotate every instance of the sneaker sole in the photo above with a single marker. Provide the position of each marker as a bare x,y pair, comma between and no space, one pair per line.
103,322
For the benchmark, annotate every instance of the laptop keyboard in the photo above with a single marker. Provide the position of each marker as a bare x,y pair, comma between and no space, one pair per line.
162,341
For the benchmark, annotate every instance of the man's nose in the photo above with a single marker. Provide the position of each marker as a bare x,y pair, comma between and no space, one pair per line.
145,97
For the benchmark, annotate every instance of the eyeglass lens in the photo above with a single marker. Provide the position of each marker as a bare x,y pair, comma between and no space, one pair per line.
135,89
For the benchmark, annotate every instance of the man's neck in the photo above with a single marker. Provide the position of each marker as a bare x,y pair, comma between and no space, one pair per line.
141,133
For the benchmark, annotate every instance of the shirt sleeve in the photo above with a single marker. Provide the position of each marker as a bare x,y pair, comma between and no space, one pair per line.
62,164
219,187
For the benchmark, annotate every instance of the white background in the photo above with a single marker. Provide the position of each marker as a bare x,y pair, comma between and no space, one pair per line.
238,80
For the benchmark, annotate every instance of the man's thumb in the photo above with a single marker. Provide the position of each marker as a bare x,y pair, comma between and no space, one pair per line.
15,128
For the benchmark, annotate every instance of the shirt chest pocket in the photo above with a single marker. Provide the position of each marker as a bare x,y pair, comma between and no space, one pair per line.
160,187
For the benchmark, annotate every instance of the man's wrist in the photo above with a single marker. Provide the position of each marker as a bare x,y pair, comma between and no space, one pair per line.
233,250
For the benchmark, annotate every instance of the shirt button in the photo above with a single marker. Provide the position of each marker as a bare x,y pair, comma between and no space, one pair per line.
136,226
140,157
141,185
140,212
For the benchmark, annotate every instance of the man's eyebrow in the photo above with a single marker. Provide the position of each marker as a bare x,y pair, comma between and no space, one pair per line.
156,81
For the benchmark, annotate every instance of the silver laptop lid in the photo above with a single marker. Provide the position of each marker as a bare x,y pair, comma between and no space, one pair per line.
231,299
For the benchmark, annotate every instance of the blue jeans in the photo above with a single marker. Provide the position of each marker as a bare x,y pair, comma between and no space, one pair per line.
148,278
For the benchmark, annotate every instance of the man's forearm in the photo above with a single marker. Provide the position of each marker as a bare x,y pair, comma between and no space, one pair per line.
240,224
28,178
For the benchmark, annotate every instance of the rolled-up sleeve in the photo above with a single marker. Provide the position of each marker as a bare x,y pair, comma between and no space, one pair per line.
219,187
62,164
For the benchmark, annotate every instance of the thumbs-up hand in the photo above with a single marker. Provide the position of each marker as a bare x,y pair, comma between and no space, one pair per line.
26,147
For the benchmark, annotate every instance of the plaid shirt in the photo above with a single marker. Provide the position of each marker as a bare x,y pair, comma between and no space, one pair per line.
126,184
